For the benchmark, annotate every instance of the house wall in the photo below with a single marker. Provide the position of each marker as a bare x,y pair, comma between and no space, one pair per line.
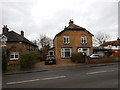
75,41
19,47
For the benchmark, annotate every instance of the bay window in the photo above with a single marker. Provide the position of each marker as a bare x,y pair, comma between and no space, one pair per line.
66,52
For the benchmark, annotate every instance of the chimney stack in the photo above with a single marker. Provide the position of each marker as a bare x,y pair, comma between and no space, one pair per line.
70,22
22,33
5,29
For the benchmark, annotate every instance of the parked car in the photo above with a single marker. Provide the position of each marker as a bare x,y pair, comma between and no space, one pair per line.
95,56
50,60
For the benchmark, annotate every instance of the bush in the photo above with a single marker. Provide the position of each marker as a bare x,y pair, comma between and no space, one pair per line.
4,59
78,57
28,59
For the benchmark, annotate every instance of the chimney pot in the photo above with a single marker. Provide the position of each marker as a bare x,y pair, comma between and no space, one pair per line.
5,29
70,22
22,33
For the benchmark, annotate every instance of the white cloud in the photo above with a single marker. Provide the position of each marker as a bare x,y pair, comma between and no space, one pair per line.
50,16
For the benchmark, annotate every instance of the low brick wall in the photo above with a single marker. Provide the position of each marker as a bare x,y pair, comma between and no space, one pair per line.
103,60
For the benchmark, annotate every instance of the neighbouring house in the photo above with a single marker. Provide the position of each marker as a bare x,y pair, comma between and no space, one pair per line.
100,50
114,46
72,39
15,43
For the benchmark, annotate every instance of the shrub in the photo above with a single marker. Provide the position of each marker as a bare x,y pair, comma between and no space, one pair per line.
28,59
78,57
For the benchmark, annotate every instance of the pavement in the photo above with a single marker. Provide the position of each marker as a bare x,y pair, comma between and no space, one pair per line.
40,67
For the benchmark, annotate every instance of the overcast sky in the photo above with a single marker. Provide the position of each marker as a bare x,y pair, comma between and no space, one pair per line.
49,17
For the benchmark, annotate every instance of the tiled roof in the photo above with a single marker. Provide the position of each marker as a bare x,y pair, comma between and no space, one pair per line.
14,37
113,43
73,27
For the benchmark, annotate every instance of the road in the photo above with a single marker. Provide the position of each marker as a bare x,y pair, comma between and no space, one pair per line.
66,77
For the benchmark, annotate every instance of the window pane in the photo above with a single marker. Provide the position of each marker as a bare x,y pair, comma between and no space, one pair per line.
83,39
66,39
16,56
12,56
66,52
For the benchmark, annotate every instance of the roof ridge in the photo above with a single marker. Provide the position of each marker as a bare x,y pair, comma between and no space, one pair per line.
17,37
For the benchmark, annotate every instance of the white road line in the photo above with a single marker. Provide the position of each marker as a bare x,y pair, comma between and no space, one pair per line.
100,72
18,82
112,70
96,72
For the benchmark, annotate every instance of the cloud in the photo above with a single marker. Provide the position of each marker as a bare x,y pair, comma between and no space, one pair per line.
51,16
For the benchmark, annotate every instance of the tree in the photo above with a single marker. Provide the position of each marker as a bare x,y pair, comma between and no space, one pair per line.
100,38
44,42
34,42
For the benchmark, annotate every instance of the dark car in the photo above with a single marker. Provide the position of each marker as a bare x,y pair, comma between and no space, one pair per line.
50,60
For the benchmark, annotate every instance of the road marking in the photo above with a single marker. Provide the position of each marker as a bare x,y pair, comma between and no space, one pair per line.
96,72
100,72
35,80
112,70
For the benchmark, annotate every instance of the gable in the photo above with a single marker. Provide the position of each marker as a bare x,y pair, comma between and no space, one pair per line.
3,38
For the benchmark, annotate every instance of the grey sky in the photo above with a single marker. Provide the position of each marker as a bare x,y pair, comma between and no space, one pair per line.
51,16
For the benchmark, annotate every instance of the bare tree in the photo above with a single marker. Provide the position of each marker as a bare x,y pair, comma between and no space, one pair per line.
34,42
100,38
44,42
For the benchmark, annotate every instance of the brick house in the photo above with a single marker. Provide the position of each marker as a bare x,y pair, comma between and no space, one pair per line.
72,39
15,43
113,46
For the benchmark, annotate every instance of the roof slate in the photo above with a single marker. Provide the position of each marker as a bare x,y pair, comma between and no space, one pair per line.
73,27
113,43
15,37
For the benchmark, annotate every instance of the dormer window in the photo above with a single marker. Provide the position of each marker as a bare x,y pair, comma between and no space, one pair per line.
66,39
83,39
3,40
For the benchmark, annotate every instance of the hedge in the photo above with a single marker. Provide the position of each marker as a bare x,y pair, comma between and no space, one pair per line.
78,57
28,59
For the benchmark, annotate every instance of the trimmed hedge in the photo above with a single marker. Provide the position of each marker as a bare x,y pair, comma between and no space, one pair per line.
78,57
28,59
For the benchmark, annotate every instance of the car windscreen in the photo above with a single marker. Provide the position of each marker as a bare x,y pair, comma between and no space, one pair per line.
96,55
50,57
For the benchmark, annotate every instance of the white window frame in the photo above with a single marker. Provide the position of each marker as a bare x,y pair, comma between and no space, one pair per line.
63,52
52,52
14,56
83,39
66,39
82,50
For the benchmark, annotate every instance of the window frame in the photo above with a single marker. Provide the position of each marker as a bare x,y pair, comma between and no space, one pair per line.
52,52
83,39
64,52
66,39
14,56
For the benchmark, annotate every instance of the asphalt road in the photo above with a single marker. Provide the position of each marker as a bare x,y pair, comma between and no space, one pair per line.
66,77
